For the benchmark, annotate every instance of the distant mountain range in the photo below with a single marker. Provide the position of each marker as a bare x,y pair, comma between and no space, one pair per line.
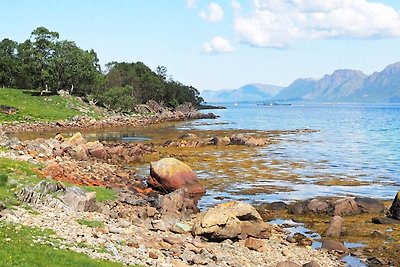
341,86
249,92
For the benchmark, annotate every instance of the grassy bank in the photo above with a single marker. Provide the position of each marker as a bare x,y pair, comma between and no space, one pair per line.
19,248
33,107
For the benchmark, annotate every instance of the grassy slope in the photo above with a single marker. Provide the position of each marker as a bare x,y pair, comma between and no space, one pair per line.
19,249
33,107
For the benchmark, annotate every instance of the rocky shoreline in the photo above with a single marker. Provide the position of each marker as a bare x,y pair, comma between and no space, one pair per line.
142,226
148,227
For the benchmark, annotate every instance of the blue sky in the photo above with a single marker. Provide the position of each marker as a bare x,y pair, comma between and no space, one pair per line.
222,44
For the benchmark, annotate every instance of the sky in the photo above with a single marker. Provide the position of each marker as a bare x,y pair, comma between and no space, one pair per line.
215,45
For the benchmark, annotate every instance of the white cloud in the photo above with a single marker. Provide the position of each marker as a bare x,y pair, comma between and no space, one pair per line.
218,45
279,23
191,4
214,13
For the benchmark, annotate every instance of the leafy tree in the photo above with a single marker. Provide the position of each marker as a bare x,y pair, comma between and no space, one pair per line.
9,64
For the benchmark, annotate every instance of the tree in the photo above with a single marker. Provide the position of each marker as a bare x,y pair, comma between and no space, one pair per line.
9,64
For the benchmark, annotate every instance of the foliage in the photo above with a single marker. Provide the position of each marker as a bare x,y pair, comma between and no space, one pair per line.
19,249
91,224
44,62
3,179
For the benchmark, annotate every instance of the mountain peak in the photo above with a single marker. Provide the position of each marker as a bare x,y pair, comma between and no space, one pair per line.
392,68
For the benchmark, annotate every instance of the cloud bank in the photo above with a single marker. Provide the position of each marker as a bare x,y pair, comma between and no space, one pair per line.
280,23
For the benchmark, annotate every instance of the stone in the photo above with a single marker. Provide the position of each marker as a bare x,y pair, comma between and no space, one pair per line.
317,206
80,200
228,220
278,205
312,264
297,209
169,174
159,225
394,210
153,255
178,263
346,206
332,245
75,140
180,228
385,221
369,205
220,141
302,240
176,205
287,264
335,228
97,150
200,260
254,243
78,152
246,140
173,240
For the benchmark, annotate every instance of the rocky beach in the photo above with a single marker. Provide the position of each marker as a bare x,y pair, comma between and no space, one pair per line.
154,220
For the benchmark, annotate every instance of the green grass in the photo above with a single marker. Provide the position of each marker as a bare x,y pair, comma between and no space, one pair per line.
33,107
102,193
14,174
91,223
19,250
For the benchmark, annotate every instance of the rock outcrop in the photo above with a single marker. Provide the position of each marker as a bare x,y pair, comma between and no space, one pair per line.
169,174
394,211
231,220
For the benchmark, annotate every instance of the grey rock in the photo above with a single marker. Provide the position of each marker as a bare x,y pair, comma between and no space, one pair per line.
158,225
80,200
317,206
347,206
312,264
370,205
385,220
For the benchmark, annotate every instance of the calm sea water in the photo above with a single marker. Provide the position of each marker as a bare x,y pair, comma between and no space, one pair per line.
358,142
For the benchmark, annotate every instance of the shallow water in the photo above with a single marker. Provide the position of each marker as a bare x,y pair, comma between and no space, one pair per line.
357,142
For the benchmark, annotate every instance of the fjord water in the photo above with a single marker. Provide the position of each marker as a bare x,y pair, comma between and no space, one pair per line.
359,142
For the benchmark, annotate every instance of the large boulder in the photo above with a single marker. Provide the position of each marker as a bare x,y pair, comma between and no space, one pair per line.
346,206
97,150
169,174
394,211
370,205
231,220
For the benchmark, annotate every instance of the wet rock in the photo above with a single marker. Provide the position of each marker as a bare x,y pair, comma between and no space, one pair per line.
377,262
278,205
394,210
220,141
246,140
169,174
287,264
346,206
385,220
332,245
254,243
370,205
335,228
302,240
318,206
298,209
229,221
80,200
